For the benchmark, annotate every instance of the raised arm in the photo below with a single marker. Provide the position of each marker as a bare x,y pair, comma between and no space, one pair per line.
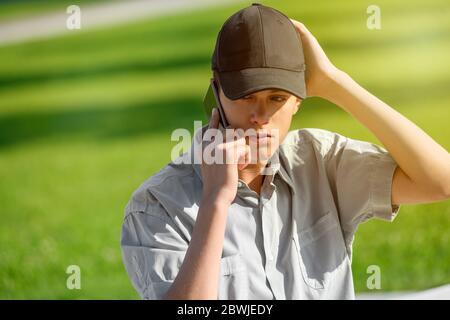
423,172
198,277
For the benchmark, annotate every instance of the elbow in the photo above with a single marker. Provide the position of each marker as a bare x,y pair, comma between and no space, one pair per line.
442,184
445,193
446,185
444,189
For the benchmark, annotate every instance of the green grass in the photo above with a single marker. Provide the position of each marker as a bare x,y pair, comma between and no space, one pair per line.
86,118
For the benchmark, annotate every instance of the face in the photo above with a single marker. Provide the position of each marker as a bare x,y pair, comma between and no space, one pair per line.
269,111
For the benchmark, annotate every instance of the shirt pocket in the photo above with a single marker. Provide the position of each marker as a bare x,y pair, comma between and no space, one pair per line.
320,250
233,284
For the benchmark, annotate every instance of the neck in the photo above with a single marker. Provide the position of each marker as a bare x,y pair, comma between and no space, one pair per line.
251,175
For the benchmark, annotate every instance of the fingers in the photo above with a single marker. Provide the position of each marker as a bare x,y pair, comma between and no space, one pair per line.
214,121
300,26
233,143
235,148
303,31
245,158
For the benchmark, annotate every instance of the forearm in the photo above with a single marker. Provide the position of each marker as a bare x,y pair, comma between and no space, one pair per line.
198,277
417,154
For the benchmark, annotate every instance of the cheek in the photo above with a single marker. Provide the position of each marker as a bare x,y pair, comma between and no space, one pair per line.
292,106
283,123
233,114
231,109
283,116
236,115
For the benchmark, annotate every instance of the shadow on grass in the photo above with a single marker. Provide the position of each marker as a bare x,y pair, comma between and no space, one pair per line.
101,122
106,52
146,67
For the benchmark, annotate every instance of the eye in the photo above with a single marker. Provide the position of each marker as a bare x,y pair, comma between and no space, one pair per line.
247,97
278,98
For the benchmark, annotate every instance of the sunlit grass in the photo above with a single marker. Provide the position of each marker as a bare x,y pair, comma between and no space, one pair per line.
86,118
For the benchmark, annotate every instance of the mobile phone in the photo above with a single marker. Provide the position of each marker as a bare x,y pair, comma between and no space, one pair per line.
211,101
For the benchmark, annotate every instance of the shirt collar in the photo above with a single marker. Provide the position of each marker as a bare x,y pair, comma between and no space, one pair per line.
276,164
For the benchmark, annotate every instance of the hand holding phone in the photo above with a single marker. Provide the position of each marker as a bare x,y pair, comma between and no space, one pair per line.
220,175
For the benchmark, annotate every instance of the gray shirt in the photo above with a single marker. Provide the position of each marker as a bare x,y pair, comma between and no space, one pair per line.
293,241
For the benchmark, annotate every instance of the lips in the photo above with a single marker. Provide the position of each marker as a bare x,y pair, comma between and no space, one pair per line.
261,137
264,138
264,135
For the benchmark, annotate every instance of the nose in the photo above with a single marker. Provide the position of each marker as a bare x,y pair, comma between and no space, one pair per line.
259,116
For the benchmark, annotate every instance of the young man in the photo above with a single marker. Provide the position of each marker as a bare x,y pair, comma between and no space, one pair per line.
211,230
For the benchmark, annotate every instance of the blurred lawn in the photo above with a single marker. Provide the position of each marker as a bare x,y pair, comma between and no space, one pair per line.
14,9
86,118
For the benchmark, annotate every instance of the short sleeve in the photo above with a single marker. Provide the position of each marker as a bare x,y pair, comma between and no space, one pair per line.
361,176
152,250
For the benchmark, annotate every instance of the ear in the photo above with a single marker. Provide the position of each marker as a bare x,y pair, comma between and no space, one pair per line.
297,105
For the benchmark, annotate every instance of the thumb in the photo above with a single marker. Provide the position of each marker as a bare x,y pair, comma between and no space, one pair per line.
245,158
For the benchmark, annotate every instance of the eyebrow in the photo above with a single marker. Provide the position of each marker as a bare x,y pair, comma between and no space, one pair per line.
271,91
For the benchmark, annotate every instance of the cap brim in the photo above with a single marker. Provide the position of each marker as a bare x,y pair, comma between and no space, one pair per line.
237,84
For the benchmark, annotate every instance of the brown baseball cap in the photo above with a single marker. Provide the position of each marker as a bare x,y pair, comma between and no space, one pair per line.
258,48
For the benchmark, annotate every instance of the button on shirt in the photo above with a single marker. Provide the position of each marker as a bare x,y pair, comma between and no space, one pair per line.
293,241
